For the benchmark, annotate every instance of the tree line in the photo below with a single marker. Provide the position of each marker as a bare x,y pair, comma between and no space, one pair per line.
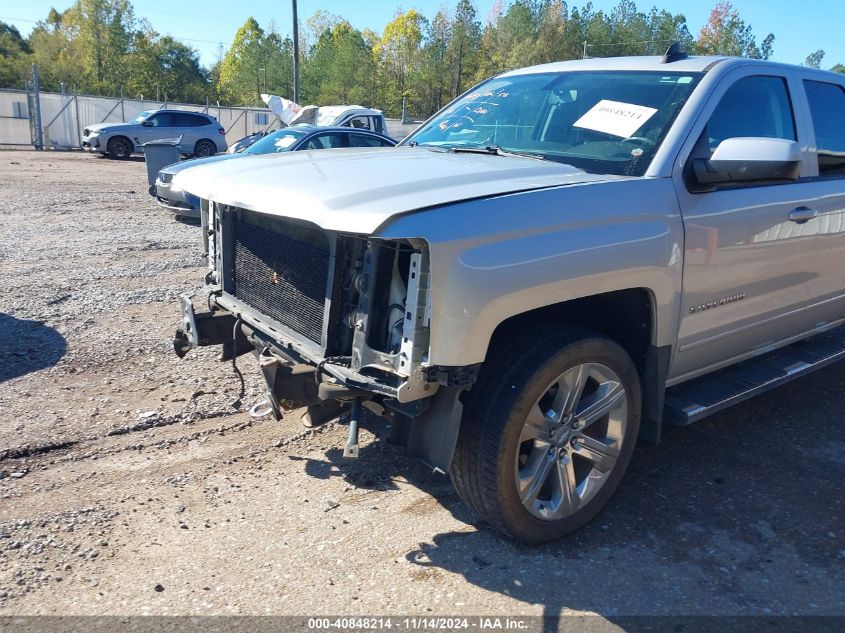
415,64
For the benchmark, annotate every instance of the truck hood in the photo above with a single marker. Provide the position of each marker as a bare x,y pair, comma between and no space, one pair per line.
358,190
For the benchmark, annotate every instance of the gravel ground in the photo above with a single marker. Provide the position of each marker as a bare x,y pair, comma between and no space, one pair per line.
129,484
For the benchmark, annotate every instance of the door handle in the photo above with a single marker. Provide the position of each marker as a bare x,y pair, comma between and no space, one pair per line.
802,215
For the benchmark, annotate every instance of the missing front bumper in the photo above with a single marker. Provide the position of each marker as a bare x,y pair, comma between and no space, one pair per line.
430,424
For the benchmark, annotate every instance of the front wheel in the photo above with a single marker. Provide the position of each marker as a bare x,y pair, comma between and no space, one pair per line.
548,434
120,148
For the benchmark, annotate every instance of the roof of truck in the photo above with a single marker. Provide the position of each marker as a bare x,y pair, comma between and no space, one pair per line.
690,64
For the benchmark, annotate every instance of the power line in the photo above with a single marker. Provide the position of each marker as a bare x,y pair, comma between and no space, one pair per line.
5,17
175,37
627,43
188,39
187,15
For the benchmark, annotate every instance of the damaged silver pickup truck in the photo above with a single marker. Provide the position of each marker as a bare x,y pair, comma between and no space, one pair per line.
550,268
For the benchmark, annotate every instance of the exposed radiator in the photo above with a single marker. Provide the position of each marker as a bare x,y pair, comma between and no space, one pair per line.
281,269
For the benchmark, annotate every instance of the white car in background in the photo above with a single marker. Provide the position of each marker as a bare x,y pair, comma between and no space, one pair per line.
353,116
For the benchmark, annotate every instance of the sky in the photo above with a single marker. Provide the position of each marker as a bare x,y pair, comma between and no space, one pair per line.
799,30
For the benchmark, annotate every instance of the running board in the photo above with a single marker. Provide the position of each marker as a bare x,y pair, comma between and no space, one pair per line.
691,401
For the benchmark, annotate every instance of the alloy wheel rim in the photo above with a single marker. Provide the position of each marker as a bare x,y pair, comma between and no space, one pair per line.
571,441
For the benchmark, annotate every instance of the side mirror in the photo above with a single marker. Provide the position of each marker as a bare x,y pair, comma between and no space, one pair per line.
748,158
147,124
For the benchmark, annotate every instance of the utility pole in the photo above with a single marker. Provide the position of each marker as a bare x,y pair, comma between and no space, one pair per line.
295,55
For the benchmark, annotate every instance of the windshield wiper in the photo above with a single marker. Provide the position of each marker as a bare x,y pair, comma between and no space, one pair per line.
494,150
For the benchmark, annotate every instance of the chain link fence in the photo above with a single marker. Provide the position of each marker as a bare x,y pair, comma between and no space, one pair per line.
64,116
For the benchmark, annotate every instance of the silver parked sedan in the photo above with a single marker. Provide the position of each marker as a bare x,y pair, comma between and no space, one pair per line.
306,137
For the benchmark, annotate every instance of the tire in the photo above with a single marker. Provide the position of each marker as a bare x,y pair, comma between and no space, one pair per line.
500,460
120,148
204,148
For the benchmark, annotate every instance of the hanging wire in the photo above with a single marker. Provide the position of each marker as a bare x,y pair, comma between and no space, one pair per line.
239,400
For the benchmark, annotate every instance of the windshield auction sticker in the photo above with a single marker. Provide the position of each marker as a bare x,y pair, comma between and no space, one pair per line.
615,117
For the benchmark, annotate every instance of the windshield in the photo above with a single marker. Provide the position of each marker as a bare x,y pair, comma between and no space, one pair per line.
602,122
142,117
279,141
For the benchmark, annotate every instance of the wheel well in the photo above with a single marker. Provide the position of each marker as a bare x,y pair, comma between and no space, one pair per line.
205,140
626,316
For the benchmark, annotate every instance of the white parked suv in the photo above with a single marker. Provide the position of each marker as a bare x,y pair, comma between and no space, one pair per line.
552,267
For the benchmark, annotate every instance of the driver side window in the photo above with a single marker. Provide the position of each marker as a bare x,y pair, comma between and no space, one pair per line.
754,106
161,120
757,106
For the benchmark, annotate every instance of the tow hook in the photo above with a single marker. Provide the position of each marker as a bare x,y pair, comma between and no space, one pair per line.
261,409
351,449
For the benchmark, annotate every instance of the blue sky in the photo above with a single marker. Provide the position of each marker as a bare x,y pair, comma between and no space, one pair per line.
799,30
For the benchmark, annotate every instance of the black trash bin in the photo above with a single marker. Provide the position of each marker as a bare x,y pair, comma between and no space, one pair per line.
159,154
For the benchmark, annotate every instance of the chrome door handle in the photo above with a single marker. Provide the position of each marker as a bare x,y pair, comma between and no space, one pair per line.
802,215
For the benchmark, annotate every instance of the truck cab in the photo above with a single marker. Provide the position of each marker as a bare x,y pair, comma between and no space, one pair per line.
353,116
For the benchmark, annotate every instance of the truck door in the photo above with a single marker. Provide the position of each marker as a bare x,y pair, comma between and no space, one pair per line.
752,262
825,102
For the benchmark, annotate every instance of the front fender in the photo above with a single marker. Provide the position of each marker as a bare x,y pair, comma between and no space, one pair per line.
495,258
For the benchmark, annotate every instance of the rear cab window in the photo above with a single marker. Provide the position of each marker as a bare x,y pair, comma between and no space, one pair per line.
359,122
827,111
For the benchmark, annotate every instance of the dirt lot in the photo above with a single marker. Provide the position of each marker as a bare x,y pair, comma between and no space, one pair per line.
129,484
